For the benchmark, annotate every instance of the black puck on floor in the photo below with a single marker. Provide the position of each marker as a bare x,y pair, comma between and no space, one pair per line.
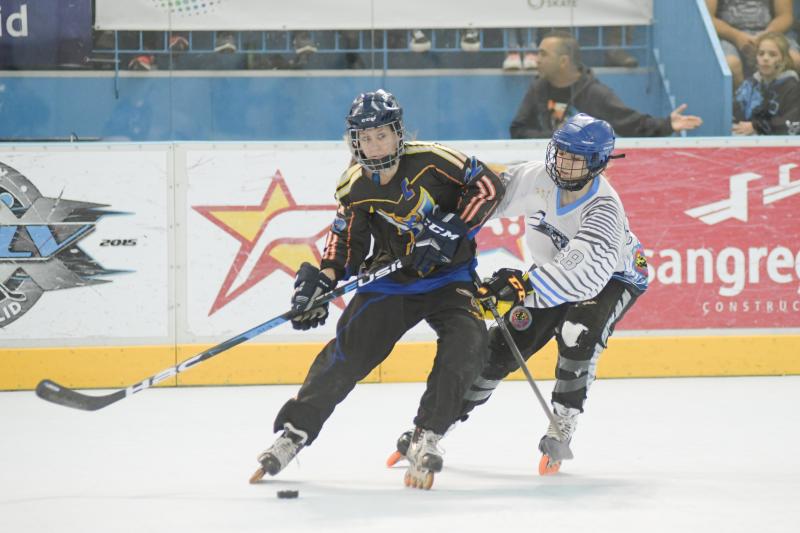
285,494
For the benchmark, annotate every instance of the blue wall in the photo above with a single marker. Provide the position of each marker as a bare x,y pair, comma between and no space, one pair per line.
297,105
686,45
159,107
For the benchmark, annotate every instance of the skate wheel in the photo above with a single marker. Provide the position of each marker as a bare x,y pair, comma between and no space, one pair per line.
546,468
394,459
423,482
257,476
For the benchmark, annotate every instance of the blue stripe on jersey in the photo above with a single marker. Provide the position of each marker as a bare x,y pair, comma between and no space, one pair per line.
569,207
542,285
462,272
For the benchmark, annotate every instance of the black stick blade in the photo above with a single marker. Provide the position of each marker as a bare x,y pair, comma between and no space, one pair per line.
58,394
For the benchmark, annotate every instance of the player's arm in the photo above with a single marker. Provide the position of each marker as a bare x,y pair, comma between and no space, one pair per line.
576,273
481,194
520,183
345,249
347,243
439,236
586,264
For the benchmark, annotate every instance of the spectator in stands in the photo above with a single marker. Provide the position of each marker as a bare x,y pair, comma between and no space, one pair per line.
617,56
768,102
470,41
517,58
177,42
740,22
566,87
303,44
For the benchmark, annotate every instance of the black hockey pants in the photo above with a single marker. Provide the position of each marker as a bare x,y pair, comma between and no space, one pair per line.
366,333
581,329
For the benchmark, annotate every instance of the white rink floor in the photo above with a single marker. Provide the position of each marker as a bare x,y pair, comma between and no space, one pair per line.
665,455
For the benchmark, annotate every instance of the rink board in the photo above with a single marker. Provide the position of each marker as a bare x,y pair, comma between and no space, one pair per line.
167,249
251,364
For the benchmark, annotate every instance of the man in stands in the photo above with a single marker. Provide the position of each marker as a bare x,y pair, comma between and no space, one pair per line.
566,87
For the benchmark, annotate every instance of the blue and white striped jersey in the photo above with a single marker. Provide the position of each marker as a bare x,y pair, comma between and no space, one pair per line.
576,248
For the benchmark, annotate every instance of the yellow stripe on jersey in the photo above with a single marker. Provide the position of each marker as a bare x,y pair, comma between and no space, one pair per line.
346,181
454,156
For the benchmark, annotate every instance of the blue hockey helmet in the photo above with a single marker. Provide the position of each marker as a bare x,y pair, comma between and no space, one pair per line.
585,136
373,110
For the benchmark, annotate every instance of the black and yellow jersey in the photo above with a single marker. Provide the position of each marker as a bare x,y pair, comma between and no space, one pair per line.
429,176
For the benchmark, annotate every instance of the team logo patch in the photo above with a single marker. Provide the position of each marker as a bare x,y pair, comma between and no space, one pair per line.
520,318
408,194
640,261
339,224
412,221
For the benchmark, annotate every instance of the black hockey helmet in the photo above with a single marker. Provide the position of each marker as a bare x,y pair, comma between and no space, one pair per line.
372,110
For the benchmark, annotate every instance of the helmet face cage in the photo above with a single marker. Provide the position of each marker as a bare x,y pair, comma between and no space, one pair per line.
376,165
373,110
587,137
562,170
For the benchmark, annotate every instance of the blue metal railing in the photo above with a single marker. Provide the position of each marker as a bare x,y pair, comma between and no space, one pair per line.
633,39
694,72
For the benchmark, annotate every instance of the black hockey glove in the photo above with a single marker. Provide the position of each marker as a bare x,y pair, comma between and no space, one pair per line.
507,284
310,283
437,242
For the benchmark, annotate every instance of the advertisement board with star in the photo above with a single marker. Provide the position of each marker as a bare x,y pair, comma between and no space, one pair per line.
118,260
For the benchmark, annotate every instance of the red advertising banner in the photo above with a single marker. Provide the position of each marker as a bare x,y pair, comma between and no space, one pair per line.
721,229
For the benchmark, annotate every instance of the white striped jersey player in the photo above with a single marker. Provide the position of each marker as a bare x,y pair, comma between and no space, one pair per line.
576,248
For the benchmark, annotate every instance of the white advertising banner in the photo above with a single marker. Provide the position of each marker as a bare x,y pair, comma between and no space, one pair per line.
365,14
84,254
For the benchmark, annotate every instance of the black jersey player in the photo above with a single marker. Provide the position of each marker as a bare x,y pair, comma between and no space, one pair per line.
415,200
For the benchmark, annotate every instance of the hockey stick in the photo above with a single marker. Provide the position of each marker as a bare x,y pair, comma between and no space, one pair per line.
488,303
53,392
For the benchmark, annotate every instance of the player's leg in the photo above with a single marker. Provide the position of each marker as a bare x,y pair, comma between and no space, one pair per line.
366,333
582,337
531,329
460,353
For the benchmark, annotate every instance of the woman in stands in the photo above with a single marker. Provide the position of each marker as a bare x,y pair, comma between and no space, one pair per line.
768,102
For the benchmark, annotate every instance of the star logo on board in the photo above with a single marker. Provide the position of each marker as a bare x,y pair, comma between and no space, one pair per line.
503,234
264,247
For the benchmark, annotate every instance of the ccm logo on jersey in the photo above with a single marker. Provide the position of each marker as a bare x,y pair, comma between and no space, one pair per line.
444,232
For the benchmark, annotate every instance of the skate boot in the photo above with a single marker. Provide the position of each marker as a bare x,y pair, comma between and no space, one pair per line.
283,450
403,443
424,459
555,444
